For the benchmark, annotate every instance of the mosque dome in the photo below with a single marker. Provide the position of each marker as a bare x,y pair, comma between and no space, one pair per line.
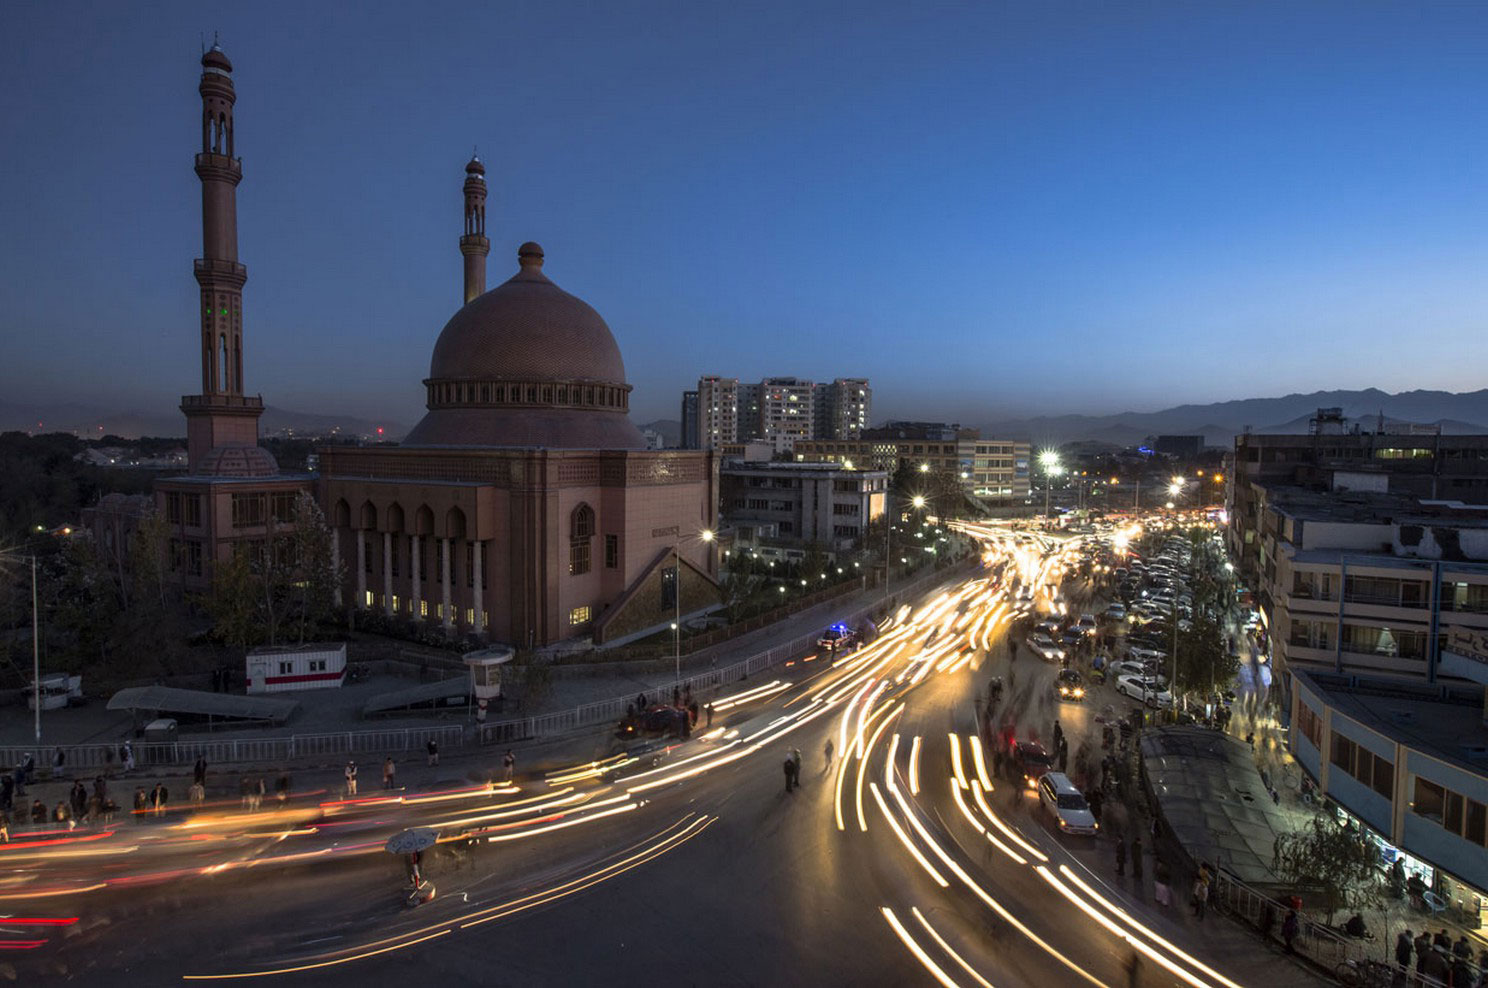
527,364
237,461
216,58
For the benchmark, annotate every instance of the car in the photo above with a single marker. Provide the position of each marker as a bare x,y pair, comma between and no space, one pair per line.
1115,612
1069,686
1086,624
1130,667
1031,761
1048,626
1144,655
1066,804
1045,648
1147,691
838,638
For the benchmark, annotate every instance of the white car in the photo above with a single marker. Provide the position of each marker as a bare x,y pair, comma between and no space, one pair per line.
1086,624
1148,691
1066,805
1145,655
1045,647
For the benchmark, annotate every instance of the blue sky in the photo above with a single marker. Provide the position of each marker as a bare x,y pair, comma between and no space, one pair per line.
990,209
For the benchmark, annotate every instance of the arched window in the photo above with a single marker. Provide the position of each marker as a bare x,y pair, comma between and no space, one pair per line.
580,533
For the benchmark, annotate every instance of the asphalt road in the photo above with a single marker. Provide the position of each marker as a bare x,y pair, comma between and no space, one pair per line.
702,869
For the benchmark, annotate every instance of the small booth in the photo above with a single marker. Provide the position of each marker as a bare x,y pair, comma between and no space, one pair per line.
485,675
308,667
58,690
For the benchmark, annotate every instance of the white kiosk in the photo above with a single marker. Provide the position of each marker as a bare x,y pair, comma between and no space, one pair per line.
485,675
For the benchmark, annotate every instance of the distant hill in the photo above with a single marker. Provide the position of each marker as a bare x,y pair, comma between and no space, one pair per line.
85,420
670,430
1457,414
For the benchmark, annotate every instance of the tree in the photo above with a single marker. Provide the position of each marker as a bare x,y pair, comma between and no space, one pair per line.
1333,860
1203,660
232,601
317,577
150,558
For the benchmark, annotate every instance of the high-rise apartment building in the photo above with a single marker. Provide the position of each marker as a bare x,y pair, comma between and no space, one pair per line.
779,410
689,437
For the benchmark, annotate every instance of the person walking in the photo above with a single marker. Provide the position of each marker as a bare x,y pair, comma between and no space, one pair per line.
828,750
1201,896
1162,883
1423,947
78,796
1403,947
389,773
1120,855
1058,733
509,762
281,788
351,777
257,793
126,755
1290,927
199,771
708,709
433,747
789,768
159,796
795,757
59,763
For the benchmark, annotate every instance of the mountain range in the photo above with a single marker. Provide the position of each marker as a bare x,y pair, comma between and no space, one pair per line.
1463,413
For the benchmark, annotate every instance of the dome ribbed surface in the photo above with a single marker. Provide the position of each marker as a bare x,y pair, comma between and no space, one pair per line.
238,461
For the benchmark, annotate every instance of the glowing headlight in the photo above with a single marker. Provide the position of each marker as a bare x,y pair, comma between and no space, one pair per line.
1079,691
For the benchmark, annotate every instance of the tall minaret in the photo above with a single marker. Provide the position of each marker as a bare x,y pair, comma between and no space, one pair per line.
473,244
221,415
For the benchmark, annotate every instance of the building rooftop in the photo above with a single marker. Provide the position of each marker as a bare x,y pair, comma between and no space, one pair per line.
1369,507
784,466
1449,728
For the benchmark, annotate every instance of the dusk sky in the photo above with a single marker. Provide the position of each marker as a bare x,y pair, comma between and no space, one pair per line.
990,209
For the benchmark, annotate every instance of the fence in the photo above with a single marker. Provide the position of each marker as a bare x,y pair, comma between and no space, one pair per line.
221,751
1314,941
611,710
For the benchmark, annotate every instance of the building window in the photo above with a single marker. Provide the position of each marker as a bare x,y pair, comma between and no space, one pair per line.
282,507
612,552
578,616
173,508
1364,765
285,668
580,531
1430,800
248,510
669,587
1311,725
470,565
469,616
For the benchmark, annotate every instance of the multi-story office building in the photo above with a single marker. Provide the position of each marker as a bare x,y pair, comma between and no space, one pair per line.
1376,610
801,503
1420,462
849,407
990,469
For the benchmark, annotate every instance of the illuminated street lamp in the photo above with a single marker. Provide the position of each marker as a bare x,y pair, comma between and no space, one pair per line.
706,535
1049,460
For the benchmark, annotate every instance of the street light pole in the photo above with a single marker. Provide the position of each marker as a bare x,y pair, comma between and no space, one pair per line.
35,651
677,597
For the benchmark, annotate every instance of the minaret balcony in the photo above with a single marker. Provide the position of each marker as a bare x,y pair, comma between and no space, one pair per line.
217,271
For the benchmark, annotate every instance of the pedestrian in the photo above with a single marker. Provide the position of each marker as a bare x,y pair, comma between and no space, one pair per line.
1120,855
1423,947
789,768
59,762
62,814
1136,855
1403,947
199,771
141,801
79,798
257,793
1289,929
281,788
1201,895
389,772
1462,948
1063,749
128,756
509,762
39,810
1162,883
245,793
709,711
5,826
828,750
197,793
1442,939
640,702
1094,799
351,777
433,747
159,796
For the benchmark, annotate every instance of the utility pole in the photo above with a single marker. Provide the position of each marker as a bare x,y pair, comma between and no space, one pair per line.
35,652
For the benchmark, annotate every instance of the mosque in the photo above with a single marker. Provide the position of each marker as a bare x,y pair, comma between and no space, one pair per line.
524,508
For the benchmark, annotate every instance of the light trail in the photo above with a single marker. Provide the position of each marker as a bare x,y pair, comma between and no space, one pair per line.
947,948
981,763
971,819
863,765
909,845
914,766
1012,835
956,767
936,971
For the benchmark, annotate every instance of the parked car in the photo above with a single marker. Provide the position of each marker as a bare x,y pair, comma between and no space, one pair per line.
1066,804
1069,686
1147,691
1116,612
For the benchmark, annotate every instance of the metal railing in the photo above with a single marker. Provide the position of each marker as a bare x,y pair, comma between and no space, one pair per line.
604,711
221,751
1314,940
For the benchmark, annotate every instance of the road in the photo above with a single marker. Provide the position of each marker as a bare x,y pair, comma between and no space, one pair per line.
902,863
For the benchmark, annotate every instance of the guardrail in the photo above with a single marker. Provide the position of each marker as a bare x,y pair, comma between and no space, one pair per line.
605,711
1314,941
220,751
